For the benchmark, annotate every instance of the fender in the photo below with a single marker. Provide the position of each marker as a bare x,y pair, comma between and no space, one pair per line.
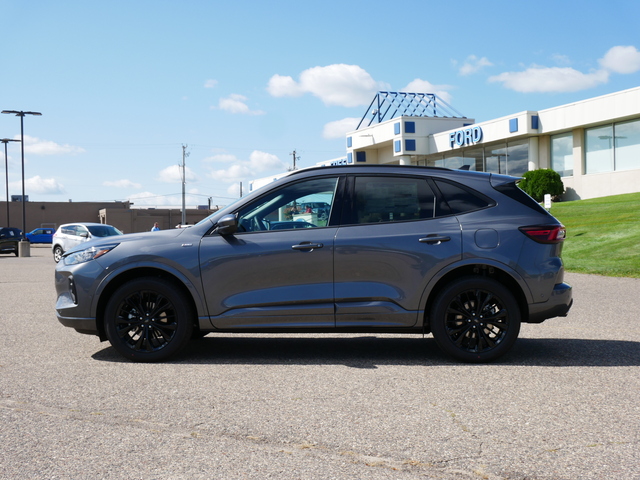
470,262
193,287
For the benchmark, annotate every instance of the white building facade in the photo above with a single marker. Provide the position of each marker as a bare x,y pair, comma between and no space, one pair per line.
593,144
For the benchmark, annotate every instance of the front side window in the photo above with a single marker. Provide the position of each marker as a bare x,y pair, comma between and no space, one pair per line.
306,204
392,199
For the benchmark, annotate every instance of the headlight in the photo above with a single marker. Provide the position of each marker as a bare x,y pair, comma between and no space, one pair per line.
87,254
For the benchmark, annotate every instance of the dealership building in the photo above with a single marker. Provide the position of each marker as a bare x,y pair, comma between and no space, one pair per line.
593,144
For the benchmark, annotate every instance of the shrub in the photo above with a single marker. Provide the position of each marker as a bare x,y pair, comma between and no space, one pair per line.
537,183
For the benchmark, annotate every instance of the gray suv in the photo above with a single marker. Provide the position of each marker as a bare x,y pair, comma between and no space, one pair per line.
464,255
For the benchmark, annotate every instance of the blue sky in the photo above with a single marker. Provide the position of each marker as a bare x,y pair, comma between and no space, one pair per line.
123,85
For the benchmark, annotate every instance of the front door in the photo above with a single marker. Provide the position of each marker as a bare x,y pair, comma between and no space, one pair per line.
277,270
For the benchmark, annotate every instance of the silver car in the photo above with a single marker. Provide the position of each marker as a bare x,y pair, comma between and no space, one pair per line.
69,235
464,255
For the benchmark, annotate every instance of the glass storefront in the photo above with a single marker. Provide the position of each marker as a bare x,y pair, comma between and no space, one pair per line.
562,154
612,147
505,159
627,145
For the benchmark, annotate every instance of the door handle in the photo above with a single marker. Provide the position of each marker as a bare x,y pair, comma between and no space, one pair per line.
434,239
307,246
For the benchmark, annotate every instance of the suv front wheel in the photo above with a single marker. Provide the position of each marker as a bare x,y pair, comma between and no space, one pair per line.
475,319
148,320
57,253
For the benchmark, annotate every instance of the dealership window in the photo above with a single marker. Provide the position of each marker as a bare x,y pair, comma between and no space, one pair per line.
453,162
475,158
496,159
562,154
599,149
517,158
627,145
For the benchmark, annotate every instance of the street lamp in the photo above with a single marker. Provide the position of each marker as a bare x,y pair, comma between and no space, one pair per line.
21,114
6,169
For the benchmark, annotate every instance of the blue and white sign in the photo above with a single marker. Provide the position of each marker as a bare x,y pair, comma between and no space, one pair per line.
468,136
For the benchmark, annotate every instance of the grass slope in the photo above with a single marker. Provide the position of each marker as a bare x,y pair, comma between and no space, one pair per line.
603,235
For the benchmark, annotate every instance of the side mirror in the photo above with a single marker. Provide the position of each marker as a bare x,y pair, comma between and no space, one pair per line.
227,225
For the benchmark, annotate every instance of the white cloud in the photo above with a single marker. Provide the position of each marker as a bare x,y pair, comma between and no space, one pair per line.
621,59
150,199
281,86
339,128
338,84
36,146
210,83
259,164
39,185
474,64
423,86
236,103
618,59
550,79
122,184
173,174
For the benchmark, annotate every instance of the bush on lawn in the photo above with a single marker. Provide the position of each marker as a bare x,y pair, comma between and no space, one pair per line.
537,183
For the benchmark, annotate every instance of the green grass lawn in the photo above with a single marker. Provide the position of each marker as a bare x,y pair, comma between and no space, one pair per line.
603,235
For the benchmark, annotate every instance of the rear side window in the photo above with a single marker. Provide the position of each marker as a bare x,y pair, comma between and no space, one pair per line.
512,190
392,199
462,199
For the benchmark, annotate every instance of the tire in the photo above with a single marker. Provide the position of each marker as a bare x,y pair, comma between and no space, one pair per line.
57,253
475,319
148,320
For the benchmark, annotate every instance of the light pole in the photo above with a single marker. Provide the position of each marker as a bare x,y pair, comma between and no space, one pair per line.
6,169
21,114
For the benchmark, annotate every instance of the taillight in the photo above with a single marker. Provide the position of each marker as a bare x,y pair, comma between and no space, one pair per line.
545,233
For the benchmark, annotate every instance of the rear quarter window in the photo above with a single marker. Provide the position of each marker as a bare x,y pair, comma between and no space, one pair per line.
462,199
514,192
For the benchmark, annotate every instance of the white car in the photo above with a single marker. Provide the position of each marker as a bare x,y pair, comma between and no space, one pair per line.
69,235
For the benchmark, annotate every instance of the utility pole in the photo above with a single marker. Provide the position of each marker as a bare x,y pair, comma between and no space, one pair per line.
294,159
185,154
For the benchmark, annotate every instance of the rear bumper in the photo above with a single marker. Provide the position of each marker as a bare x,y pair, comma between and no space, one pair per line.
558,305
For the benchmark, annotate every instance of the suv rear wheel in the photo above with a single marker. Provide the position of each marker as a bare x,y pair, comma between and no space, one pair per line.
148,320
475,319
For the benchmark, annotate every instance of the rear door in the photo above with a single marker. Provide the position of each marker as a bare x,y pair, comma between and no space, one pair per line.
396,237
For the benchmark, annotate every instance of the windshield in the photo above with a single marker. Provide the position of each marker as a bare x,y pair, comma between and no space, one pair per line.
103,230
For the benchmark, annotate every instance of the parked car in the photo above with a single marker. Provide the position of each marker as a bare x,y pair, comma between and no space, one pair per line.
41,235
9,240
464,255
69,235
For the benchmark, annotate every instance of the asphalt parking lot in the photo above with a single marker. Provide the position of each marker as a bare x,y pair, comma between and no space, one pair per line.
563,404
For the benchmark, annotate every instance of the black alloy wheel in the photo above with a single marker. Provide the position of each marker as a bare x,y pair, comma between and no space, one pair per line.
148,320
475,319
